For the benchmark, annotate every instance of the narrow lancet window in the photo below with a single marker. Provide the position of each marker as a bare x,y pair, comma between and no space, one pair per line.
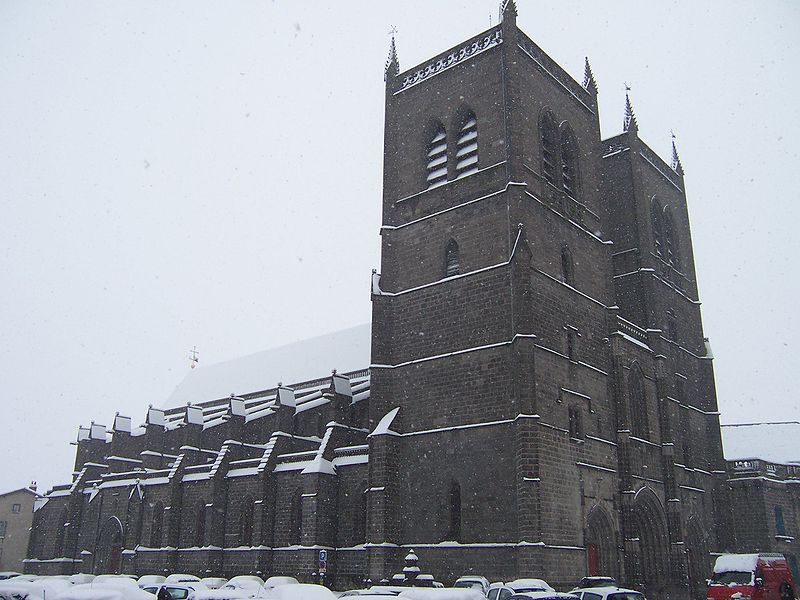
569,163
547,132
451,259
437,157
467,146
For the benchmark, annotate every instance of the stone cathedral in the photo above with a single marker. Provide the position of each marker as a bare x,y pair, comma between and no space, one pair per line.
539,399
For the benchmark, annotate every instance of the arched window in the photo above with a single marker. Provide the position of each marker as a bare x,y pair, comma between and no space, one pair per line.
671,326
451,259
360,516
670,240
638,402
157,525
437,156
569,162
200,524
246,522
567,266
454,528
656,213
467,146
780,525
296,518
548,136
61,529
575,422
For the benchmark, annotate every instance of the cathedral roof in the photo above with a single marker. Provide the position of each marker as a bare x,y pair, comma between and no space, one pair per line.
346,350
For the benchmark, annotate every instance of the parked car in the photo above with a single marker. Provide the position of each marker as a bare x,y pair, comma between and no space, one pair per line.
530,585
543,596
181,591
475,582
370,594
611,592
8,575
45,588
120,589
756,576
277,580
298,591
246,582
181,578
79,578
595,581
150,580
213,583
414,593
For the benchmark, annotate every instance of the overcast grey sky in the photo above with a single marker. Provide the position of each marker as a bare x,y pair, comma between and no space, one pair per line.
204,173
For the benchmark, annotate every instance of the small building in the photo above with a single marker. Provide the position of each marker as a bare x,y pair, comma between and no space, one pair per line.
763,464
16,516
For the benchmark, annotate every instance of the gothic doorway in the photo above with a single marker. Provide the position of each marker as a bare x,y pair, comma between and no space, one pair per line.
649,526
108,553
601,557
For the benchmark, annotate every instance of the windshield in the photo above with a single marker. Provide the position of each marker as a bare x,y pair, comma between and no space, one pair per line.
732,578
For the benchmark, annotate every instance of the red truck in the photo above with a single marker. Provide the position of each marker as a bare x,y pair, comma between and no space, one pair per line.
751,577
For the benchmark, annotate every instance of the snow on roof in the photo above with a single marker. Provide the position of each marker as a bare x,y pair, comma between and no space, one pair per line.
773,442
735,562
345,350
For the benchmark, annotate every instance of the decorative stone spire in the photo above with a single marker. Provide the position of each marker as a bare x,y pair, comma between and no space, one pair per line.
676,160
508,10
630,123
589,82
392,63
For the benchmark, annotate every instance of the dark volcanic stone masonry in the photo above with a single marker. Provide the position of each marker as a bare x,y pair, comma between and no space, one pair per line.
535,321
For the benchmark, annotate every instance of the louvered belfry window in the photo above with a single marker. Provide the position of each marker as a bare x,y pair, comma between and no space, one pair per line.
467,147
437,157
451,259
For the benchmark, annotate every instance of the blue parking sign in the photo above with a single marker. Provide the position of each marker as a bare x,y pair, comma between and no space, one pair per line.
323,555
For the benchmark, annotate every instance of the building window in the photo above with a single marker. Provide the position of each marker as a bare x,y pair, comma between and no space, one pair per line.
569,162
780,526
454,529
686,438
638,402
567,266
200,525
360,516
670,240
437,157
671,326
296,518
547,134
157,525
467,146
572,343
656,214
3,526
246,522
15,508
575,423
451,259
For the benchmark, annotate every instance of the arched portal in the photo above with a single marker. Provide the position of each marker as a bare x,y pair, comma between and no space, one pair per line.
108,554
601,555
649,526
698,558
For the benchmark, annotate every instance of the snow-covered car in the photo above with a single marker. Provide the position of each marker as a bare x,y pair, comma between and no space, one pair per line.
277,580
113,579
370,594
42,589
530,584
213,583
298,591
79,578
181,591
181,578
611,592
8,575
473,582
593,581
246,582
121,588
543,596
146,581
440,594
